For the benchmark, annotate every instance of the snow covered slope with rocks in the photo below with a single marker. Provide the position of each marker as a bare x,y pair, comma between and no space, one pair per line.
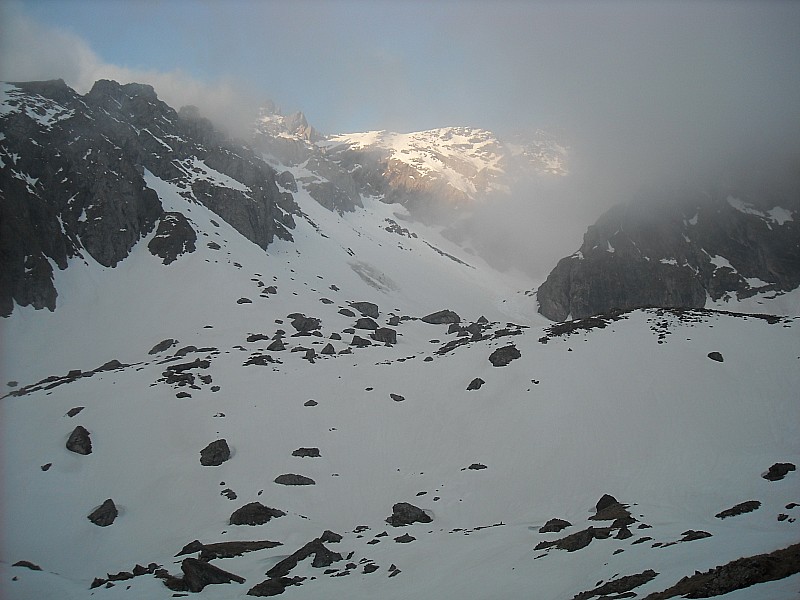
408,424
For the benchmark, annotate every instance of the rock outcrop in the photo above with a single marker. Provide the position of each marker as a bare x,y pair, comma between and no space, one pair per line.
73,182
677,251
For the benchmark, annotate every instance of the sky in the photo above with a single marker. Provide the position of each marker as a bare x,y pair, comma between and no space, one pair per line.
638,89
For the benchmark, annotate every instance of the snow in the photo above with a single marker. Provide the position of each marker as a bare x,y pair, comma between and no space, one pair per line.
198,170
777,214
677,436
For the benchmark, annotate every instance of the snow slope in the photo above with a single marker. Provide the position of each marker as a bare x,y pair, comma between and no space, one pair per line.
636,409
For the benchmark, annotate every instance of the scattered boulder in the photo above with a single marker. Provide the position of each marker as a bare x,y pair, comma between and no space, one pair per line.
79,441
554,526
307,452
163,345
74,411
230,549
578,540
311,402
368,309
442,317
294,479
276,346
328,349
385,335
174,237
360,342
477,467
397,397
274,586
304,324
502,356
105,514
778,471
404,539
366,323
198,574
739,509
605,501
715,356
244,301
475,384
620,588
254,513
27,564
216,453
404,514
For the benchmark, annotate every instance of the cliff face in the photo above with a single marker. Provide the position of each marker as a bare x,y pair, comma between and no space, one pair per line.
72,180
678,253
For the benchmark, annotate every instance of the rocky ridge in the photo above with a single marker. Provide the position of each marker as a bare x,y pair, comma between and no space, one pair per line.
670,252
72,182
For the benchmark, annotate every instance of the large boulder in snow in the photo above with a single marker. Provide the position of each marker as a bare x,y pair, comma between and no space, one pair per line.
79,441
442,317
404,513
216,453
105,514
502,356
254,513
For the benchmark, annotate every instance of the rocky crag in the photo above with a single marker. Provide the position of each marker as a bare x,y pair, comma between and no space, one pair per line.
667,252
72,182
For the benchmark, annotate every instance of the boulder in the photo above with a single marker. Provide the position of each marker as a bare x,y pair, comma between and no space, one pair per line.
366,323
385,335
294,479
198,574
368,309
105,514
307,452
715,356
404,513
475,384
79,441
778,471
216,453
502,356
254,513
442,317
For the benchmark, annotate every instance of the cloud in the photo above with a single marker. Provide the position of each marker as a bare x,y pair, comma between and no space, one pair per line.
31,51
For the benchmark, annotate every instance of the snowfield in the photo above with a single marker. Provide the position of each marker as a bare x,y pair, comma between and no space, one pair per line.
633,407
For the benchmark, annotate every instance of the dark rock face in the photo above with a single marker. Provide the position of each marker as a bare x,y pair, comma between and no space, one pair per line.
442,317
554,526
254,513
735,575
294,479
778,471
502,356
216,453
404,513
79,441
105,514
83,161
174,236
677,250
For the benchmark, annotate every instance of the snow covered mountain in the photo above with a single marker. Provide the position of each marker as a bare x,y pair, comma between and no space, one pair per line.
358,408
446,168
